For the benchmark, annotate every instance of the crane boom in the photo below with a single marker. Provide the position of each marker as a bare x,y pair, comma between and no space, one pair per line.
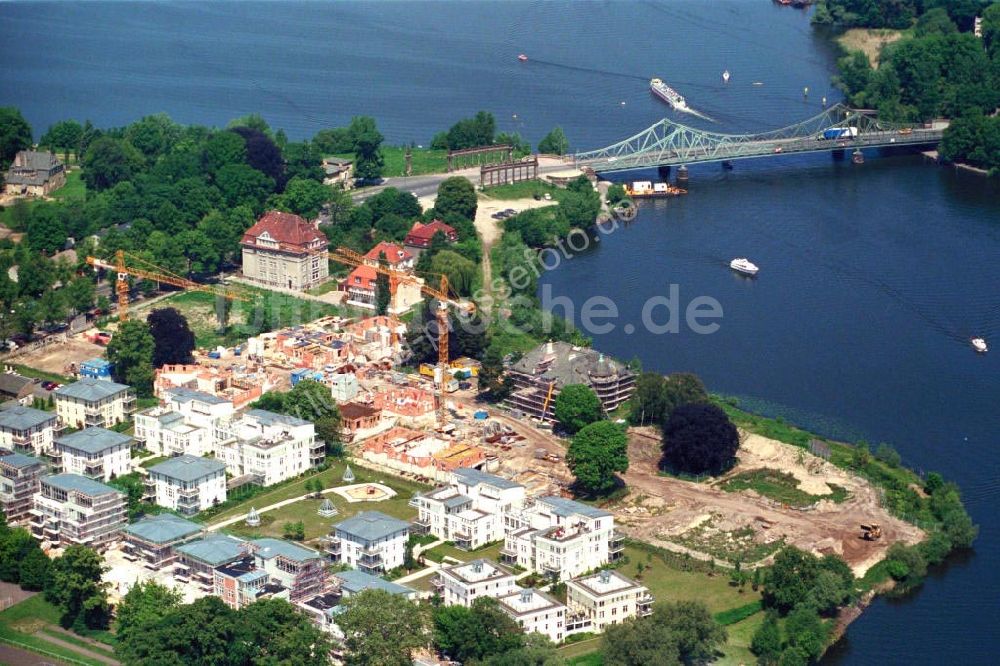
123,270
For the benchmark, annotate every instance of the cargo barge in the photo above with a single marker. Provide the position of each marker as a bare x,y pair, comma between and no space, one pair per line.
643,189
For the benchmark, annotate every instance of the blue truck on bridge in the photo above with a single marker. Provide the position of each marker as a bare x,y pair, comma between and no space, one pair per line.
838,133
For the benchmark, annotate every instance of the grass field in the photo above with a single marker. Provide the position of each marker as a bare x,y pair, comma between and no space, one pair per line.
489,552
20,623
523,190
28,371
737,648
331,478
245,317
667,583
781,487
424,161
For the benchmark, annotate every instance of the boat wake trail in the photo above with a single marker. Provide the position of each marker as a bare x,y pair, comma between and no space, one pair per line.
699,114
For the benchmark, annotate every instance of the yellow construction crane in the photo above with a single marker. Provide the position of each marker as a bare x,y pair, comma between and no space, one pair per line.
152,272
548,397
442,293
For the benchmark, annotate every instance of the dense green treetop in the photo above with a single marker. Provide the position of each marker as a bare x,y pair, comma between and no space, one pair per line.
15,135
597,452
381,629
131,353
577,406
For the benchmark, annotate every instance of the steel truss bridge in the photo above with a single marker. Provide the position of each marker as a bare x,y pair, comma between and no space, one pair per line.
671,144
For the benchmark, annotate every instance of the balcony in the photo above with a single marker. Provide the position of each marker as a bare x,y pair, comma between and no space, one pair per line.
508,556
462,541
437,583
616,544
332,546
644,605
421,526
94,469
416,501
93,419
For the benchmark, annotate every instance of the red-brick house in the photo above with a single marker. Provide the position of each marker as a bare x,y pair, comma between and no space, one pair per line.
421,234
284,250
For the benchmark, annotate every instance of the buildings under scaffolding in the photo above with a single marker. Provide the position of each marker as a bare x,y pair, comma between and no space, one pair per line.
543,372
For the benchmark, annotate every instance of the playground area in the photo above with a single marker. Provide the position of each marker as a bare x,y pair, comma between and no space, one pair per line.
365,492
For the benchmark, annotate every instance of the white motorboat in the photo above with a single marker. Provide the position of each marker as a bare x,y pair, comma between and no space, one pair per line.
979,345
744,265
725,76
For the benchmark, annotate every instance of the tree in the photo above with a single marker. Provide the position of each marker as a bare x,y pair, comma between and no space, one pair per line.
766,642
294,531
303,196
80,293
224,149
173,339
134,488
262,154
278,633
131,354
493,379
798,578
681,632
108,162
805,630
77,588
380,629
598,451
456,196
576,406
35,569
649,403
46,231
461,272
65,135
699,439
682,388
368,161
471,634
15,544
467,133
145,604
15,135
383,295
203,632
241,184
537,650
554,143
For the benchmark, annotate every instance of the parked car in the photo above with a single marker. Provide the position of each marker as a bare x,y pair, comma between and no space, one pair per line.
49,386
464,386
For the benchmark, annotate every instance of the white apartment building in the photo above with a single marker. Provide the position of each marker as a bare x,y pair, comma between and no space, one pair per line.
93,402
200,409
462,584
561,538
167,433
604,598
369,541
536,611
96,453
270,447
72,509
470,510
187,484
27,430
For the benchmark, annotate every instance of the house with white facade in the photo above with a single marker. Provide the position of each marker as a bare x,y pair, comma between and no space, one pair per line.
167,433
72,509
470,510
95,452
27,430
462,584
187,484
535,611
267,446
561,538
605,598
300,570
93,403
199,408
369,541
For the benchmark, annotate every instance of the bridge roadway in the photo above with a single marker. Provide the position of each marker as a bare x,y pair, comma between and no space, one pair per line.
724,151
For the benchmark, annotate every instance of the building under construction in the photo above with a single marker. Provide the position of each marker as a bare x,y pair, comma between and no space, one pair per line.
544,371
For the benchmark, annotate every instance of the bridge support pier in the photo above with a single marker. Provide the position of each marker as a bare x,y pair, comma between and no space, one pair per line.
838,154
682,176
858,157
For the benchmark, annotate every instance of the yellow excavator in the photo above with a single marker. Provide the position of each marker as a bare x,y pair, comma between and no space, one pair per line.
871,532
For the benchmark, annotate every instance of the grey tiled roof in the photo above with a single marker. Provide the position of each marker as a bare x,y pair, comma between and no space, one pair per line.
566,364
23,418
567,507
188,468
271,418
13,383
94,440
31,167
354,581
474,476
181,394
19,460
79,483
90,389
268,548
214,549
371,526
163,528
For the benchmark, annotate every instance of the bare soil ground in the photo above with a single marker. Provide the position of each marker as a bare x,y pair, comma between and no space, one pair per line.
57,356
869,41
670,512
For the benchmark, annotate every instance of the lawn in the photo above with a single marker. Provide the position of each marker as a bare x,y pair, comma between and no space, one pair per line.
153,461
489,552
523,190
424,161
589,649
667,583
28,371
781,487
737,647
245,317
20,622
331,478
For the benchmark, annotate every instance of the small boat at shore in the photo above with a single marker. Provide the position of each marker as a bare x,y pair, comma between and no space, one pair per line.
979,344
744,265
522,58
